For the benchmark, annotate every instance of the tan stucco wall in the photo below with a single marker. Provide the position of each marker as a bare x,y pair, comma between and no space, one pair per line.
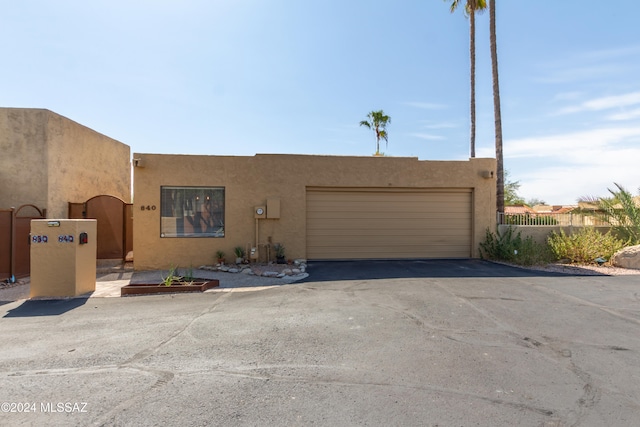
63,269
52,160
540,233
23,157
250,181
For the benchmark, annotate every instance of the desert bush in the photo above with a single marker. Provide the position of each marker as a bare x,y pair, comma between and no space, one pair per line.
584,246
511,247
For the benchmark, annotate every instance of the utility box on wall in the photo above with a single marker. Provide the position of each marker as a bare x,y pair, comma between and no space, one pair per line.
63,257
273,208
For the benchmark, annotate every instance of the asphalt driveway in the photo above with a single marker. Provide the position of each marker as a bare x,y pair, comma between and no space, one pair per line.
493,349
322,271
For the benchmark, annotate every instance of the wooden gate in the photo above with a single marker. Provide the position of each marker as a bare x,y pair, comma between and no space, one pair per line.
15,226
114,221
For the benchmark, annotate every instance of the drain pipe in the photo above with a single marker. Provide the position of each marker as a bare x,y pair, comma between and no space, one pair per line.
254,250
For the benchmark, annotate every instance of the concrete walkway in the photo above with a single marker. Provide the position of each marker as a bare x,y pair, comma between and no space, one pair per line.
110,281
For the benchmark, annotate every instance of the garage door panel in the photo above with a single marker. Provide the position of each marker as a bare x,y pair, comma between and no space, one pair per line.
382,214
401,230
382,219
379,253
387,205
388,235
388,224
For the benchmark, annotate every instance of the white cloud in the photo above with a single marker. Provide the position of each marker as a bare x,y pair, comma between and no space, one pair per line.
604,103
625,115
564,185
571,146
613,101
427,136
591,160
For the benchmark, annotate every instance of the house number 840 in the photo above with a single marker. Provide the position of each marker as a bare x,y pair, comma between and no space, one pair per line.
148,208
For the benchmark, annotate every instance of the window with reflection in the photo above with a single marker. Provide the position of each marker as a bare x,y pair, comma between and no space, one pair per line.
191,211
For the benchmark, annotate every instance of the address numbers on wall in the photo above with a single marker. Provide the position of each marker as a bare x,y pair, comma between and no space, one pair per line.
148,207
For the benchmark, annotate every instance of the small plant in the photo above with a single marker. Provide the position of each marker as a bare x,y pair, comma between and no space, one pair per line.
513,248
585,246
171,278
279,251
239,251
220,256
189,276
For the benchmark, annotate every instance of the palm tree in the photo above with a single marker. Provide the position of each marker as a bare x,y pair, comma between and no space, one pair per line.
378,121
470,9
496,108
623,213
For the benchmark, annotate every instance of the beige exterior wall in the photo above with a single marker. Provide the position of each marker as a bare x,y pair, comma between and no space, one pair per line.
51,160
23,157
540,233
251,181
63,269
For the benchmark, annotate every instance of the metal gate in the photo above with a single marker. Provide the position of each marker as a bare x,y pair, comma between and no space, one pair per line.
15,226
115,224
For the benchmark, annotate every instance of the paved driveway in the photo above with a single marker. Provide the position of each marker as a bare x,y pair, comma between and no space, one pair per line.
497,348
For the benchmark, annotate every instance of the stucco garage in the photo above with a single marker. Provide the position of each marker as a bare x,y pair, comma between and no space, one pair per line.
344,223
316,207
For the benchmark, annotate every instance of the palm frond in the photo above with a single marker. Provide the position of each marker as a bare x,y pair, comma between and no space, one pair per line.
623,213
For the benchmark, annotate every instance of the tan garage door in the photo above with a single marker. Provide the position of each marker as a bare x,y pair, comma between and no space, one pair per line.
385,224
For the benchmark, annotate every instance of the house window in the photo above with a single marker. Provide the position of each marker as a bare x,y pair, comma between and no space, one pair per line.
191,211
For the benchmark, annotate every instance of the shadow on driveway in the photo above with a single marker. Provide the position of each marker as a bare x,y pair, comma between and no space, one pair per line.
33,308
323,271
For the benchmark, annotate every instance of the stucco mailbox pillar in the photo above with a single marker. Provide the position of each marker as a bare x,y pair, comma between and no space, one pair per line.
63,257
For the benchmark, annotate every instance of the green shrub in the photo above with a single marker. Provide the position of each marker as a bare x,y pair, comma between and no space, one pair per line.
511,247
584,246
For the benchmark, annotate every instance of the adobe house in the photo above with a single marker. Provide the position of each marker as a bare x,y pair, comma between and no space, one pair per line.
48,160
187,207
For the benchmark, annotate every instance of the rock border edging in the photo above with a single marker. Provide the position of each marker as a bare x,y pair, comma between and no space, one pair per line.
299,266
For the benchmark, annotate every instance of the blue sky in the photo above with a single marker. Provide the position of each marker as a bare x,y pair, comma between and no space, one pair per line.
292,76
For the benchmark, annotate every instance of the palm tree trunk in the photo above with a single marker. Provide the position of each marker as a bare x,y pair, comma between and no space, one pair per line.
496,108
472,54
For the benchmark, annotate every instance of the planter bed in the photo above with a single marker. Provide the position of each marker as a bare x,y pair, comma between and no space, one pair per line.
155,288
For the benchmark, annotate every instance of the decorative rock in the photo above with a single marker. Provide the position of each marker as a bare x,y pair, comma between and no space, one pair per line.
296,271
300,261
247,271
628,257
287,272
270,274
233,270
223,268
281,275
